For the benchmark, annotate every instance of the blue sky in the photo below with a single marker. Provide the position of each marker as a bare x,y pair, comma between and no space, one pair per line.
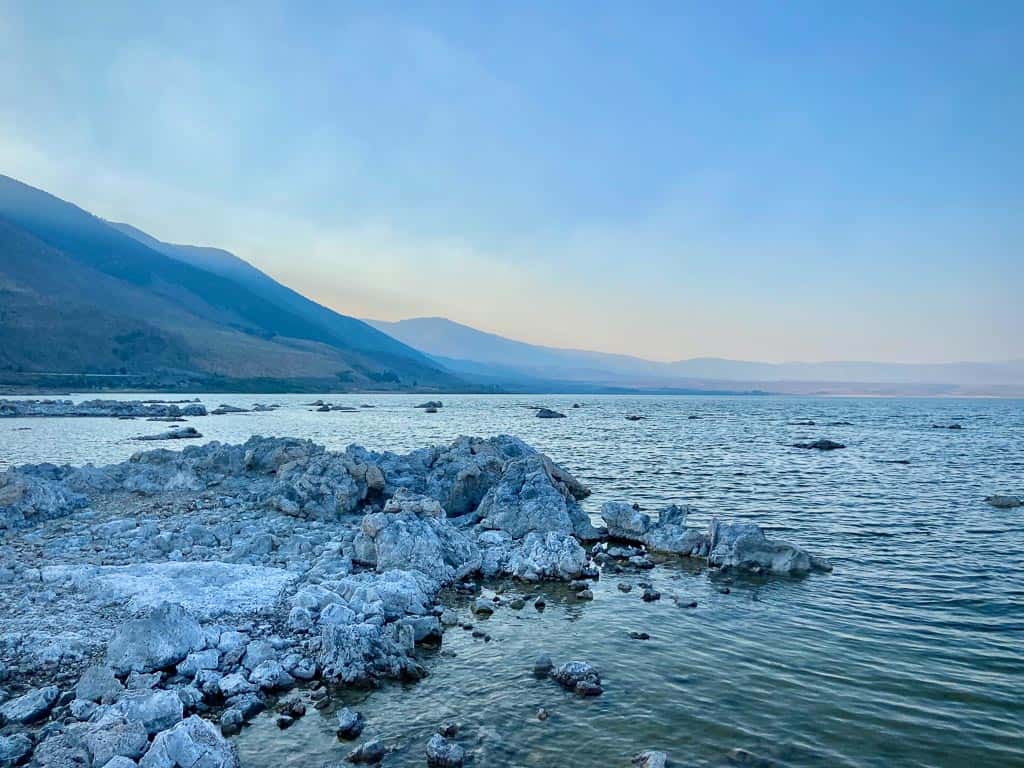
775,181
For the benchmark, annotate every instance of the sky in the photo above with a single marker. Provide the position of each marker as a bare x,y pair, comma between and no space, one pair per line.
753,180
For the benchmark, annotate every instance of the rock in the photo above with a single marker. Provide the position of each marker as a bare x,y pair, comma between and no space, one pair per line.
155,710
372,751
119,762
178,433
361,653
30,707
223,409
270,676
651,759
639,636
743,546
350,723
1004,502
160,640
542,714
547,413
820,445
542,666
585,594
483,606
650,595
13,749
300,618
97,408
449,730
634,418
624,587
197,660
234,685
194,743
284,721
666,534
547,556
579,676
112,739
98,684
441,753
435,404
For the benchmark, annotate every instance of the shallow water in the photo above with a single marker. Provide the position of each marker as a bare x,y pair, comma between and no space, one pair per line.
909,654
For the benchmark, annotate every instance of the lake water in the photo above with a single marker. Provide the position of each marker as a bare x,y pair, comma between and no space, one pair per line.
911,653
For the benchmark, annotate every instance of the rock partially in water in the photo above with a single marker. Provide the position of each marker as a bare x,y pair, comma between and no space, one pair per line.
442,753
547,413
224,408
547,556
178,433
435,404
1004,502
193,742
98,408
372,751
350,723
543,665
362,653
651,759
820,445
580,677
668,533
744,547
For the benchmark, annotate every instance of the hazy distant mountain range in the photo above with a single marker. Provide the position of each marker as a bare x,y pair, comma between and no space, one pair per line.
79,295
481,356
90,303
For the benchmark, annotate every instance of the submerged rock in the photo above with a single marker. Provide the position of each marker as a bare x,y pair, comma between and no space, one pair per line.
1004,502
372,751
435,404
820,445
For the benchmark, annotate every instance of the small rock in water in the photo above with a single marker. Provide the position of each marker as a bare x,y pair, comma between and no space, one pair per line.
580,677
650,595
585,594
283,721
542,666
624,587
483,607
820,445
651,759
547,413
449,730
372,751
1004,502
540,603
350,723
542,714
516,603
179,433
634,418
435,404
639,636
441,753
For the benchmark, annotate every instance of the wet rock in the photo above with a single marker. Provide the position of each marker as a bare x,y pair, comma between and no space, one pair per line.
668,533
634,418
435,404
651,759
160,640
178,433
193,742
547,413
284,721
743,546
350,723
542,666
650,595
483,606
542,714
624,587
585,594
1004,502
820,445
30,707
449,730
223,409
639,636
372,751
442,753
580,677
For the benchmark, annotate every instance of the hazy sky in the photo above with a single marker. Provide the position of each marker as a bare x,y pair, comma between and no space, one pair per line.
776,181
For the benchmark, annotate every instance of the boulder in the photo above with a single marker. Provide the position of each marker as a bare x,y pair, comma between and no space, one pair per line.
547,413
350,723
112,738
362,653
372,751
160,640
154,710
13,749
178,433
192,743
30,707
547,556
99,684
744,547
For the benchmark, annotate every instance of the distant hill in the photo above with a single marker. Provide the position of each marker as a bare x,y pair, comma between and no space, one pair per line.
81,296
486,356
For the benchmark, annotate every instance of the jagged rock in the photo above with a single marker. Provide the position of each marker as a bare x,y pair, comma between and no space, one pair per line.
666,534
547,556
441,753
190,666
270,676
112,738
1004,502
580,677
13,749
29,495
160,640
651,759
30,707
99,684
192,743
350,723
529,498
361,653
743,546
413,533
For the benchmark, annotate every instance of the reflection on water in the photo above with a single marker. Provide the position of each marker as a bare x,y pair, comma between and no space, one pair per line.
909,654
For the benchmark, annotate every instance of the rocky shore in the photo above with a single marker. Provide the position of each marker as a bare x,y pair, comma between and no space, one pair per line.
118,409
151,607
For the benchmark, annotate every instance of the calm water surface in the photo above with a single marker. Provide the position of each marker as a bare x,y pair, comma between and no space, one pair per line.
910,654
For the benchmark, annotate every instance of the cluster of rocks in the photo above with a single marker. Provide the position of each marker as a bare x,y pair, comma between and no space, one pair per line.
729,546
108,408
191,586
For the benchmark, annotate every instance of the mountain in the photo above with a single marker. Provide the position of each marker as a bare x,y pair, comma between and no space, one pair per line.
480,356
79,296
